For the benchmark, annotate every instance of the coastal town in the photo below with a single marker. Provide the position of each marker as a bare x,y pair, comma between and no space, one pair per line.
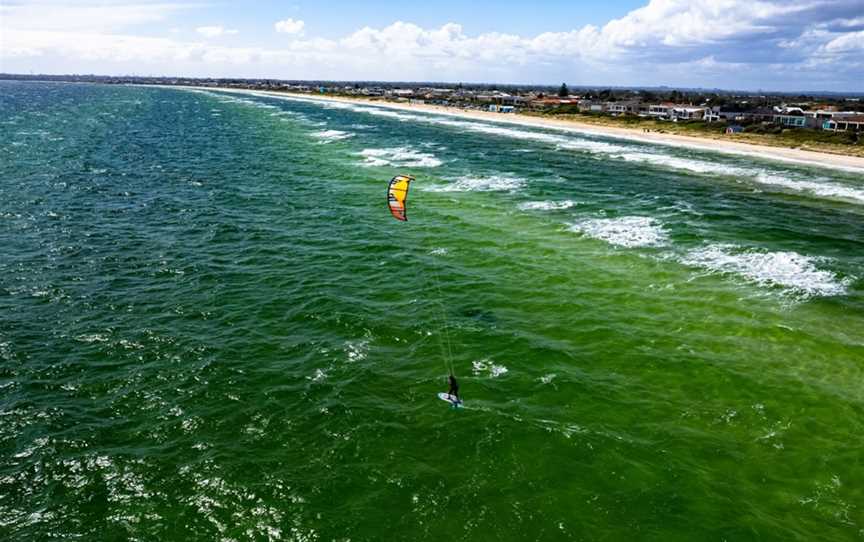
733,112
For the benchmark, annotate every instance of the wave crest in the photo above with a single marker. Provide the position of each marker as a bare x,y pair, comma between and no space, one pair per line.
399,156
627,231
786,269
493,183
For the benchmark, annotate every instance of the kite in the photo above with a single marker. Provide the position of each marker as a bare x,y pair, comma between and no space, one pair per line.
397,196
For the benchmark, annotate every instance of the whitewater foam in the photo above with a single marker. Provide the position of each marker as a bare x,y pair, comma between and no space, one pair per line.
399,156
686,164
488,367
493,183
822,188
329,136
561,142
579,131
546,205
627,231
790,270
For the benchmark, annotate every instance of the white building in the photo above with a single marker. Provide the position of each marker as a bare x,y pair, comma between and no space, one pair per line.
687,113
661,111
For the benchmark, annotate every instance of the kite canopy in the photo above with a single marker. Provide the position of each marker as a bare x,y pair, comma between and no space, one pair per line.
397,195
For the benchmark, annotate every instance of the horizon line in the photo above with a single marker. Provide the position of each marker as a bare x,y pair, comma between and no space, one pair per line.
7,76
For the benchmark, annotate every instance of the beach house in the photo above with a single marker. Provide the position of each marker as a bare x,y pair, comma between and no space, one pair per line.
687,113
792,119
622,108
845,124
661,111
789,116
591,106
821,118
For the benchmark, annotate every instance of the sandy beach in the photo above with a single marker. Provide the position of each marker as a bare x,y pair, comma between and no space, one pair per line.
785,154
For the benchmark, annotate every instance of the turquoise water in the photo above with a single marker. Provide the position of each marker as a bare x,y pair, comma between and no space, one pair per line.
212,329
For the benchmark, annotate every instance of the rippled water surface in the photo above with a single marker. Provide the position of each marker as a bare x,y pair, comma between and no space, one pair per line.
212,329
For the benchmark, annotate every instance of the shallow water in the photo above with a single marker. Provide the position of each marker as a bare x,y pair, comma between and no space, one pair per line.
212,329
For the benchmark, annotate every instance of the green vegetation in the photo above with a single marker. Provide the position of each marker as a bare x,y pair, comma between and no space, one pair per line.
563,92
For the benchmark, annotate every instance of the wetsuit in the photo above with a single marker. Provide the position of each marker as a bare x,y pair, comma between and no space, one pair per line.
454,388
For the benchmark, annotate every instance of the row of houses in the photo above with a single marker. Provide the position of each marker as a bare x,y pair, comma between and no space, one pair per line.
825,117
792,117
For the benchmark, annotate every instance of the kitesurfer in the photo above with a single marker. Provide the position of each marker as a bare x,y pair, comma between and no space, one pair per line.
454,388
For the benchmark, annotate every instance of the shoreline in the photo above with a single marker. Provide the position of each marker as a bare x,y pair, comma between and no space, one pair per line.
785,154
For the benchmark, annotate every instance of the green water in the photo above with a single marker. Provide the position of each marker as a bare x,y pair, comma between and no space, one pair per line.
212,329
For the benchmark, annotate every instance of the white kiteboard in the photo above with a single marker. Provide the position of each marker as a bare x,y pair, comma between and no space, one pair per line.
450,399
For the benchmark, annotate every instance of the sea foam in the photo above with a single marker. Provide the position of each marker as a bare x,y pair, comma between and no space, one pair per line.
399,156
785,269
822,188
546,205
627,231
493,183
488,367
329,136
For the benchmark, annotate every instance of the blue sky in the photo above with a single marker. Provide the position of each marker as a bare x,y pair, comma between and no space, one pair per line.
336,19
745,44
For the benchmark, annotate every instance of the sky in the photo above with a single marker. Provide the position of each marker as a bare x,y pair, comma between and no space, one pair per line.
781,45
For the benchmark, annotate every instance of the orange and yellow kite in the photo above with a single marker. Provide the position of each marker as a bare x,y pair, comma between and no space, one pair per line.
397,196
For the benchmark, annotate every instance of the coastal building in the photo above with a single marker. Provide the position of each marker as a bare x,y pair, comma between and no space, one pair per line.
712,115
661,111
497,108
401,92
845,124
500,98
792,119
551,102
687,113
622,108
591,106
819,118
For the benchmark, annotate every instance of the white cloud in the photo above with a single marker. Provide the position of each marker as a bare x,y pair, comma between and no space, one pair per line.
853,41
86,15
214,31
290,26
729,43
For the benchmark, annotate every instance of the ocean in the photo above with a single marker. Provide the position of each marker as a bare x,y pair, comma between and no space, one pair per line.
211,328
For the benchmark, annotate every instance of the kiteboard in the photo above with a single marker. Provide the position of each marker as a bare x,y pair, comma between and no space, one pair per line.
450,399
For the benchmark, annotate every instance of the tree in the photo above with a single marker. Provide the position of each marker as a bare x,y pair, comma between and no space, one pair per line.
563,92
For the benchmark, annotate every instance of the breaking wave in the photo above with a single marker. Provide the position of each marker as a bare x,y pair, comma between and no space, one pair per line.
785,269
823,188
627,231
399,156
494,183
547,205
329,136
787,181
